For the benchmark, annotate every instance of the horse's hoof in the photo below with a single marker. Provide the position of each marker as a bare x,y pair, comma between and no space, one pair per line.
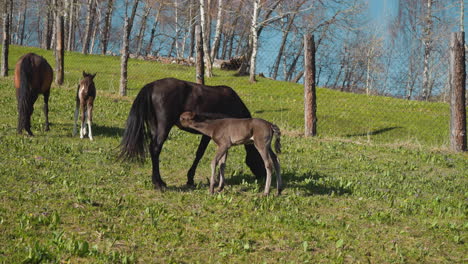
160,186
278,193
266,194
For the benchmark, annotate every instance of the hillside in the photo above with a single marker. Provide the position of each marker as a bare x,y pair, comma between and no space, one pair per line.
377,185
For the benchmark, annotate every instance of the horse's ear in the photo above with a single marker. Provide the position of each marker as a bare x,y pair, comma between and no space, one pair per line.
93,75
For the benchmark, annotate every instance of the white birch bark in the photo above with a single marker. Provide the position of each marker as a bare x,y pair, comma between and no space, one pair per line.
254,38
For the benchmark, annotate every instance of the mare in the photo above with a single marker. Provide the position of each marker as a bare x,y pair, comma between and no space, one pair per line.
33,76
227,132
85,95
157,108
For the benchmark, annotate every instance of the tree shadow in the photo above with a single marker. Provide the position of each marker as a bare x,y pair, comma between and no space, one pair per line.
107,131
314,183
272,111
375,132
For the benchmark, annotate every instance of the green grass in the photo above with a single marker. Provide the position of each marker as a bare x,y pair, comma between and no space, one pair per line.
377,185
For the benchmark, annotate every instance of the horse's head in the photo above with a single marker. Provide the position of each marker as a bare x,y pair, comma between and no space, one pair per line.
86,84
88,75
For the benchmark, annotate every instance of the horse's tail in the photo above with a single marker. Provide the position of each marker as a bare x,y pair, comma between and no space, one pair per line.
277,133
25,104
136,134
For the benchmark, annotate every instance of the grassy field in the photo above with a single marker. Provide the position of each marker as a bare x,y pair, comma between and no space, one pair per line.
377,185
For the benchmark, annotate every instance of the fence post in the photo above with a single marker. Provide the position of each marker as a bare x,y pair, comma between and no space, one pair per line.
200,64
457,92
310,98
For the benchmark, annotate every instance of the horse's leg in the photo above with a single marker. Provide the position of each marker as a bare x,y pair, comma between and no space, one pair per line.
82,119
263,150
77,111
46,110
219,154
254,161
90,119
27,126
200,151
222,166
279,180
159,135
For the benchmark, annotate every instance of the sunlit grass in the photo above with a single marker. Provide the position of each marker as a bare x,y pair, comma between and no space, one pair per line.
377,185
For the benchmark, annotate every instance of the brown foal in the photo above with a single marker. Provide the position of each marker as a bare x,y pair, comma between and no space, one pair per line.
85,95
227,132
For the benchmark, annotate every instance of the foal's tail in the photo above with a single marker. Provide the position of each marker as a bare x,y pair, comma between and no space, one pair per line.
25,104
277,133
136,134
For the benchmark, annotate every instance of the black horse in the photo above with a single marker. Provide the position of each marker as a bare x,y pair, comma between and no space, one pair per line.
33,76
156,110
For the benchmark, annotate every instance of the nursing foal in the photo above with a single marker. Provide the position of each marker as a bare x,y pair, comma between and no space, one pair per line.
227,132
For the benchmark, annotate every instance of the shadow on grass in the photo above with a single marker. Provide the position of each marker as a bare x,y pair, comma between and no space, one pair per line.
107,131
373,133
311,183
272,111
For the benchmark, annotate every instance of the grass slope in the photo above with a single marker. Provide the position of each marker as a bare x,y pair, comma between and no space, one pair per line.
376,186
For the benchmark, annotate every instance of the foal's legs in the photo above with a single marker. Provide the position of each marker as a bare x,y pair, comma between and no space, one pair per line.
46,110
200,151
219,154
77,111
279,180
263,150
83,117
222,166
90,118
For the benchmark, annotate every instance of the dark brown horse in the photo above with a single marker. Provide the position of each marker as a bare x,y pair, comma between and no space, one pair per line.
33,76
227,132
156,109
85,95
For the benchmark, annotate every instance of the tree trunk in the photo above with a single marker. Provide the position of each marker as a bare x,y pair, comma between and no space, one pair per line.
71,26
281,49
59,48
23,23
310,98
107,26
125,47
6,37
200,67
47,33
141,33
153,32
206,39
457,96
219,26
89,26
427,42
192,30
254,36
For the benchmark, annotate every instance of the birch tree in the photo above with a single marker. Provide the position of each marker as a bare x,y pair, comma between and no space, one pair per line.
219,26
125,51
206,39
89,26
6,37
107,26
